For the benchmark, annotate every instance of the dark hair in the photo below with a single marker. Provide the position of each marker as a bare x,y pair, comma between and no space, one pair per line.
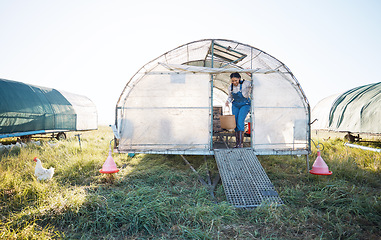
235,75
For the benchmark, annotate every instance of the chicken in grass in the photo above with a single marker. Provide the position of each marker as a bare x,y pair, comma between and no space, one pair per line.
42,173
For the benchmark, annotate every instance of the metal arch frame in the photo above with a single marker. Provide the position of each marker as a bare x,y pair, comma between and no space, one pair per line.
136,77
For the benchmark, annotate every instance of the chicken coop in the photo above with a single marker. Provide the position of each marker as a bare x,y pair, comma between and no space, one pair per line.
171,105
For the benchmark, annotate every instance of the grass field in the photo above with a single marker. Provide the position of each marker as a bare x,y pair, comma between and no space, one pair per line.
159,197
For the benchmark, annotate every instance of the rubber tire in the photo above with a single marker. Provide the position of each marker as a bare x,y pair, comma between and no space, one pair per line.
61,136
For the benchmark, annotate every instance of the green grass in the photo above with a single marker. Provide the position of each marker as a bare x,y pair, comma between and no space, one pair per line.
159,197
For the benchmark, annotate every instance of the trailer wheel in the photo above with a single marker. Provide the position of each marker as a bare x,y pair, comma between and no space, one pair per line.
61,136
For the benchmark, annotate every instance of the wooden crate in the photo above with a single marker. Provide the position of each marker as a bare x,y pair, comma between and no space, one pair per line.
217,112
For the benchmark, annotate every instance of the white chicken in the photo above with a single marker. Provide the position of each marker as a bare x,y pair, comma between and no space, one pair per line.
42,173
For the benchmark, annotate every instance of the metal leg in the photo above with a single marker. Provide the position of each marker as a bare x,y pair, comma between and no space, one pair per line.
211,185
207,168
194,170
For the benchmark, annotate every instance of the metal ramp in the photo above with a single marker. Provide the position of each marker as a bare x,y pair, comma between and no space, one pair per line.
245,182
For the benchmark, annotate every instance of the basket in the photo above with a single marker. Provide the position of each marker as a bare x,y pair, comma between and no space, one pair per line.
227,122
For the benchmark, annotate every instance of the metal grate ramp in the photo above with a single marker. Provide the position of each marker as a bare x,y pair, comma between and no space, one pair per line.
245,182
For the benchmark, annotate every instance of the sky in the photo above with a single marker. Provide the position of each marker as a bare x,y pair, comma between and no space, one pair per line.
93,47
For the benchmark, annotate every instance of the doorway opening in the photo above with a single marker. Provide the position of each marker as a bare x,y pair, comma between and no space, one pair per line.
224,138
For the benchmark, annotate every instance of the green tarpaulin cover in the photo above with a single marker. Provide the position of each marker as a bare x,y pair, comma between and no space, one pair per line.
26,108
356,110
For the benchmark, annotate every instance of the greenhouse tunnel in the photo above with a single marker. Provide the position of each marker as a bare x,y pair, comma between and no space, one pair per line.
172,104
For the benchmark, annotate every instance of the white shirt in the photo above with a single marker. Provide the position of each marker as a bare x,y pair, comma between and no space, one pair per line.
246,90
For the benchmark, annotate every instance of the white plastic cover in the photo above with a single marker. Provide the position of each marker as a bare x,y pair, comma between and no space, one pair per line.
167,112
280,117
321,112
86,111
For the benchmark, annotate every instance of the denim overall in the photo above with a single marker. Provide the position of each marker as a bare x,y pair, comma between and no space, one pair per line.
240,109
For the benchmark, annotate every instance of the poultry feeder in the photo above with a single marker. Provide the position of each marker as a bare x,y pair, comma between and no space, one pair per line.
320,167
109,166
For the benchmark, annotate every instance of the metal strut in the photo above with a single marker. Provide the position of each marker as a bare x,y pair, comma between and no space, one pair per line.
211,185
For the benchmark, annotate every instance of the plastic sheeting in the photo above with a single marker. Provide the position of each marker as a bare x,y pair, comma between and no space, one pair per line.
166,106
167,112
26,108
356,110
321,111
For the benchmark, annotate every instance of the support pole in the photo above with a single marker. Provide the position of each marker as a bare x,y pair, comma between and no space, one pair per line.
209,178
79,140
211,185
211,98
194,170
362,147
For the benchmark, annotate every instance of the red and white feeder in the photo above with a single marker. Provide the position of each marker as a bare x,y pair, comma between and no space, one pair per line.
320,167
109,166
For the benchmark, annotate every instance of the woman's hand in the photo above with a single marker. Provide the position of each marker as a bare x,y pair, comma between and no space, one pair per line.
227,103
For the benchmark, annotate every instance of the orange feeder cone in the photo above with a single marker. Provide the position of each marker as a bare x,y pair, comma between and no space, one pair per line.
320,167
109,166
